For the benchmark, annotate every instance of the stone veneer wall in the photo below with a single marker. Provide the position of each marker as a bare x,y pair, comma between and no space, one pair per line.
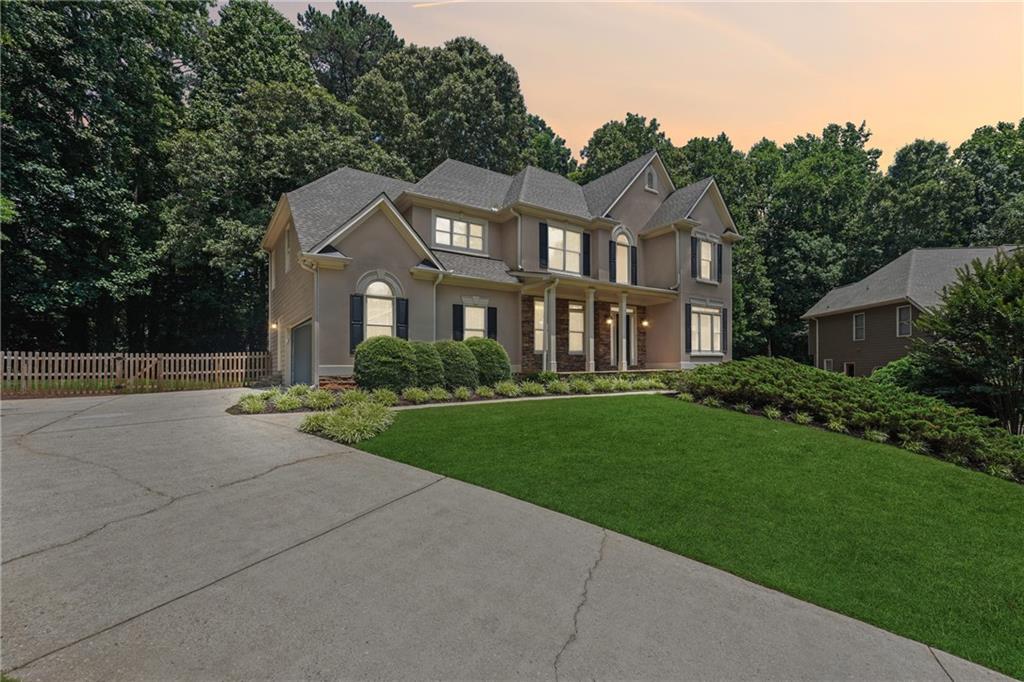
531,361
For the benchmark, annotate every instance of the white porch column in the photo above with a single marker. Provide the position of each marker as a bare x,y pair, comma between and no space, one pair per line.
588,327
550,330
623,362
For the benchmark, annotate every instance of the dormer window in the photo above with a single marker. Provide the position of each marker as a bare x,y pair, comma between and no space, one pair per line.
651,184
458,232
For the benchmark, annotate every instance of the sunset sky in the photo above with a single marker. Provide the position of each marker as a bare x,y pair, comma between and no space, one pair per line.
752,70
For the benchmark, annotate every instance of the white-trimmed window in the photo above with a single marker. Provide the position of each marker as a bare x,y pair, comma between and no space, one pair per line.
380,310
538,325
287,249
622,259
849,369
474,321
706,330
651,181
273,275
564,250
904,321
858,326
707,260
575,327
826,364
461,233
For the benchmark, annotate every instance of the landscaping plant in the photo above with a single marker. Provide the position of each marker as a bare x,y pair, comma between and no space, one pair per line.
285,402
384,396
460,367
415,395
492,361
508,389
353,396
252,404
385,362
532,388
429,369
439,394
484,391
319,399
462,393
559,387
350,424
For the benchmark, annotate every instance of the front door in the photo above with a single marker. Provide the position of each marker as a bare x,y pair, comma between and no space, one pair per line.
302,353
630,337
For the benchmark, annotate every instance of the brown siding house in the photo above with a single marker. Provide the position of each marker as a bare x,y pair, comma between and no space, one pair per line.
625,272
862,326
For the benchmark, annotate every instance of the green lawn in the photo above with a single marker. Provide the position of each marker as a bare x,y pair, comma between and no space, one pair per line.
914,545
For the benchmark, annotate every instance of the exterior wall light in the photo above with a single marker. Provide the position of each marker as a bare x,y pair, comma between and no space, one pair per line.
273,325
609,320
645,323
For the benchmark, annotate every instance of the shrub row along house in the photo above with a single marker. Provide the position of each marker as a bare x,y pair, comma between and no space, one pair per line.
625,272
859,327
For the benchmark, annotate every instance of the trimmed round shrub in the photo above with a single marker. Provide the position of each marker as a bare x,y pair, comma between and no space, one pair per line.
460,368
385,362
429,368
492,361
384,396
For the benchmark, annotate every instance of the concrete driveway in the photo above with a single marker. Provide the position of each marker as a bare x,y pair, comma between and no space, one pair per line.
156,537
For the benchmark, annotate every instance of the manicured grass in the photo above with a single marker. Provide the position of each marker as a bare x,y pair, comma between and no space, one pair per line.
914,545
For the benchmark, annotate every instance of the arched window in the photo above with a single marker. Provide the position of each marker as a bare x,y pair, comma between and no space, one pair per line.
622,259
380,309
652,180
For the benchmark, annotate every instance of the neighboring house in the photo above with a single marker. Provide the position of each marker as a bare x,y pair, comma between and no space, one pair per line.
626,271
857,328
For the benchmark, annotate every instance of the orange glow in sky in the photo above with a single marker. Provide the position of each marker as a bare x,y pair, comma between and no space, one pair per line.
931,70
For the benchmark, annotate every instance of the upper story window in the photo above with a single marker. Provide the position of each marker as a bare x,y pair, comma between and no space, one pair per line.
858,326
380,310
707,260
904,321
564,250
461,233
622,259
651,181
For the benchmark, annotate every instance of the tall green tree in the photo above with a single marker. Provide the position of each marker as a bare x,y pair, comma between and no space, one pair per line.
228,178
618,142
88,90
546,149
457,101
346,44
994,156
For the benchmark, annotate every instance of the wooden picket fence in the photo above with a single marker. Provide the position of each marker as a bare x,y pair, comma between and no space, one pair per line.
83,373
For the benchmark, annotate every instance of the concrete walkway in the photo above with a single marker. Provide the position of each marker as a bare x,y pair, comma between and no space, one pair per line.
155,537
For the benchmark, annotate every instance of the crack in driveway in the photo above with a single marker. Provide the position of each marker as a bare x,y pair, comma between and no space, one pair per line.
583,600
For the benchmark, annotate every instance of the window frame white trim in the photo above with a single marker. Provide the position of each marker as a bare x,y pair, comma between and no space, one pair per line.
827,364
538,329
910,321
575,307
712,311
650,174
465,318
864,327
853,366
366,308
468,219
565,230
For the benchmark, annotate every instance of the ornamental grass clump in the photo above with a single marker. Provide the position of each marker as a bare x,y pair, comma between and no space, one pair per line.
508,389
439,395
350,424
415,395
803,418
742,407
876,436
299,390
532,388
319,399
603,385
484,392
559,387
686,397
711,401
384,396
270,393
623,384
462,393
285,402
353,396
857,405
581,386
252,404
770,411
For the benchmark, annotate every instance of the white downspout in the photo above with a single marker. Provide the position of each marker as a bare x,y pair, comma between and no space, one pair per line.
316,320
549,312
437,281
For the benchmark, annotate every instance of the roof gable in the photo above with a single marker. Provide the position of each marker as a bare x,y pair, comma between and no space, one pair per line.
381,204
602,193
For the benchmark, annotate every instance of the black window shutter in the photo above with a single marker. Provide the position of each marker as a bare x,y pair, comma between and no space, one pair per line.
689,328
586,254
402,318
725,330
611,261
542,240
355,321
694,246
632,265
492,322
718,269
457,324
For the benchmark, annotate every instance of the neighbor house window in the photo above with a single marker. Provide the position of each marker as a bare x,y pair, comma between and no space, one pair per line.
380,310
564,247
706,330
458,232
827,364
652,180
622,259
474,321
575,327
904,322
858,326
287,250
707,260
538,325
849,369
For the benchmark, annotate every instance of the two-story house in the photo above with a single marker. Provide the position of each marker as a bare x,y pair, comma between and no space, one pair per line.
625,272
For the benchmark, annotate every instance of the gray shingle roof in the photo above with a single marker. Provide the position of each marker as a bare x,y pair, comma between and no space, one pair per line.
462,183
602,192
480,267
918,275
326,204
549,190
679,204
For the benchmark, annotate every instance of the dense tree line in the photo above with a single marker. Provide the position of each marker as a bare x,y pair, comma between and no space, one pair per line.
144,148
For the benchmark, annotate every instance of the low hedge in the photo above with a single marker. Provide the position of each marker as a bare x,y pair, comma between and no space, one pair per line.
492,361
460,366
429,368
385,362
918,423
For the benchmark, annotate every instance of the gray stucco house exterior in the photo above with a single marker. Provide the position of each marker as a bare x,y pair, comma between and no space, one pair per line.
625,272
860,327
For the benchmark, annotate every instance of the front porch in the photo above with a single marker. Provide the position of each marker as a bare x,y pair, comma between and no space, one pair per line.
573,327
